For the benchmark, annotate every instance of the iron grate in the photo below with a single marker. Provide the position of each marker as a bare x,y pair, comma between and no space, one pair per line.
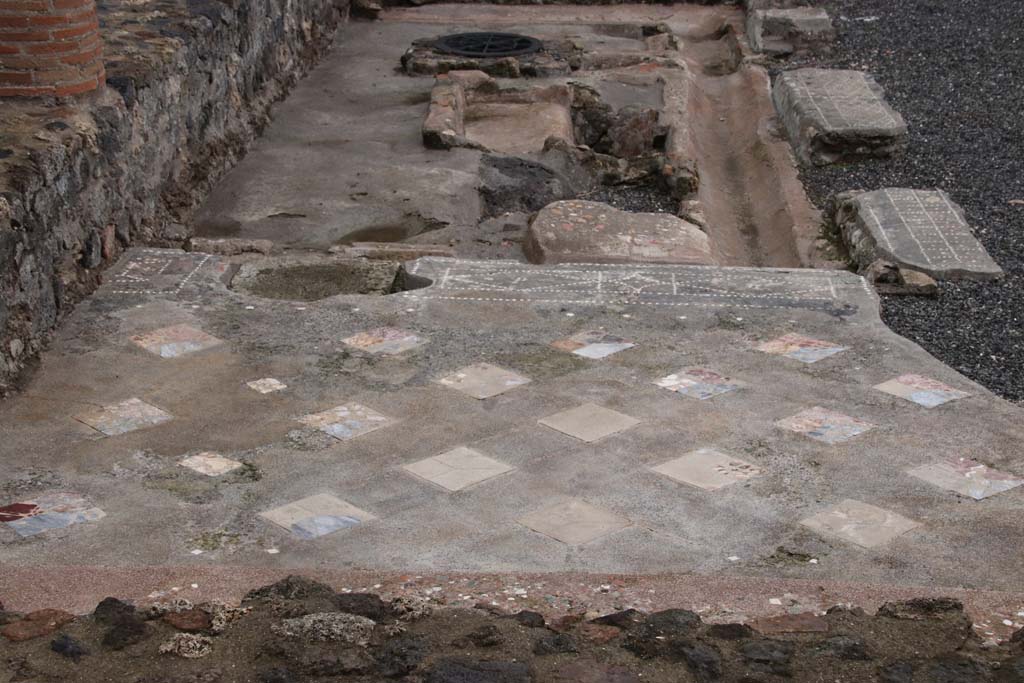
487,44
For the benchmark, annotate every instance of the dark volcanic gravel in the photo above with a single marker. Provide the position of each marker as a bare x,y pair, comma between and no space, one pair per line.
634,198
955,70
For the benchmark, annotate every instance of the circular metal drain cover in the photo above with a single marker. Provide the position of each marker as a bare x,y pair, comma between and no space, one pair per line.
487,44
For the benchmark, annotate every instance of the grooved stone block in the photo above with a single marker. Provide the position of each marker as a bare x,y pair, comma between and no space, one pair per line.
835,115
578,231
920,230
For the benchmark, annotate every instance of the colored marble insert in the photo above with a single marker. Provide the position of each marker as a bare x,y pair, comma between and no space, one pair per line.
699,383
923,391
346,421
801,348
593,344
49,511
459,468
825,425
210,464
267,385
574,522
316,515
966,477
708,469
483,380
589,422
385,340
174,341
856,522
123,417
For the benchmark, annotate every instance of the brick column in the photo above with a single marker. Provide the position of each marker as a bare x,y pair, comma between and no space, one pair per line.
49,47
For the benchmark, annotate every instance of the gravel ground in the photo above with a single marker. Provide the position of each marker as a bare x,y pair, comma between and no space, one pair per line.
955,70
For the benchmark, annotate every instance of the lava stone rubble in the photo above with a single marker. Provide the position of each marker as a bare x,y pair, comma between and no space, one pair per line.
301,630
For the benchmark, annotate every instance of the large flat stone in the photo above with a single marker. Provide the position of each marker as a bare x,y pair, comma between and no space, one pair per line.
921,230
836,115
577,231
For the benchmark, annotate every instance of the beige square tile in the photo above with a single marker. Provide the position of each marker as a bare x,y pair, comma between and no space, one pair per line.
385,340
267,385
574,522
923,391
860,523
123,417
483,380
708,469
210,464
347,421
967,477
317,515
458,468
589,422
174,341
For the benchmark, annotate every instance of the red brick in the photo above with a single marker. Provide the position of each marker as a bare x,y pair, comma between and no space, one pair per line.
6,49
15,78
71,4
30,62
23,6
76,89
25,92
76,31
83,57
24,36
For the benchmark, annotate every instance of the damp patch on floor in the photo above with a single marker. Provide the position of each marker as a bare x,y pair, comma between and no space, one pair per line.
267,385
316,515
48,511
483,380
346,421
801,348
859,523
966,477
589,422
594,344
457,469
574,522
708,469
825,425
175,341
123,417
923,391
210,464
385,340
699,383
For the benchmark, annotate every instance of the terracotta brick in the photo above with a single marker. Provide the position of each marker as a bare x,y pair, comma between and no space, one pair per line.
83,57
15,78
24,36
77,89
76,31
6,49
71,4
23,6
25,92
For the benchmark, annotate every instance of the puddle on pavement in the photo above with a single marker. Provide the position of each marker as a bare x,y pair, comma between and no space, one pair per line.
313,279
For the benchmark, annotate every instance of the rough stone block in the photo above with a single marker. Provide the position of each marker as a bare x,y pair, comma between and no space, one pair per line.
835,115
789,31
918,230
577,231
444,125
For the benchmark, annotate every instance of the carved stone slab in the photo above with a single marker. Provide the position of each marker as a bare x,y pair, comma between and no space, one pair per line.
835,115
917,229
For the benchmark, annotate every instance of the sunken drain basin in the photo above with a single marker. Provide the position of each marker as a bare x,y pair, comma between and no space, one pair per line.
321,277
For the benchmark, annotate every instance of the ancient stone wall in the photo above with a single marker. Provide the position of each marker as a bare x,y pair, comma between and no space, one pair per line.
190,84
